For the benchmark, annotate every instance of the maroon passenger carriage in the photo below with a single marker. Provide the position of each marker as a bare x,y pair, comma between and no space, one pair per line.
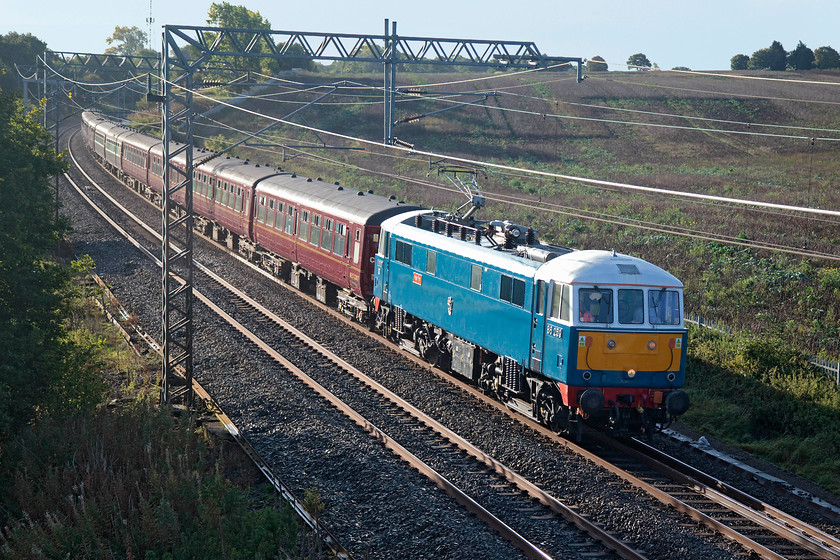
306,230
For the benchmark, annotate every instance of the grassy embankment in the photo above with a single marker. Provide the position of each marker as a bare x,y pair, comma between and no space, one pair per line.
130,480
753,390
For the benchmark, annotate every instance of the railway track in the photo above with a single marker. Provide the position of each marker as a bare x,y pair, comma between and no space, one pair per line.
500,486
458,465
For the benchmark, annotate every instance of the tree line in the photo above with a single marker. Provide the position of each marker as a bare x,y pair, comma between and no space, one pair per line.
776,58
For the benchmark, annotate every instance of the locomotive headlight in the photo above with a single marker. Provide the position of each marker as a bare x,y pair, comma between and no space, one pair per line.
631,373
611,344
652,345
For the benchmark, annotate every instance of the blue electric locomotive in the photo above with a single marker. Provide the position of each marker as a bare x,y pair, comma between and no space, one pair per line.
557,334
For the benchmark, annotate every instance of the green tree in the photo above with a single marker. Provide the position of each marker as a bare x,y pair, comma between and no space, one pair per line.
826,58
773,57
596,64
39,363
228,16
739,62
16,48
638,61
801,58
129,41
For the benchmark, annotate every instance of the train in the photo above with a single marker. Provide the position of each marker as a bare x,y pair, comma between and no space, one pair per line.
564,336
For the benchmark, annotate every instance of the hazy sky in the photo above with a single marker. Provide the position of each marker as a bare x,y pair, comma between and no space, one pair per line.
702,35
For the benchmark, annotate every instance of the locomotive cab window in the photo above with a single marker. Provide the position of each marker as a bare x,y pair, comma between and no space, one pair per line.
664,307
540,308
383,244
631,305
595,305
560,302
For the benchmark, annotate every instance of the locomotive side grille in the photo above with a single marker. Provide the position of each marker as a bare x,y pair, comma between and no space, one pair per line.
513,379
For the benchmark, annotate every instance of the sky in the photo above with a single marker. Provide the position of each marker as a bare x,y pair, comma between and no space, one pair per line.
701,35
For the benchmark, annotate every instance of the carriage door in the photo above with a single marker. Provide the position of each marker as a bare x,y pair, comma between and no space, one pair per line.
538,326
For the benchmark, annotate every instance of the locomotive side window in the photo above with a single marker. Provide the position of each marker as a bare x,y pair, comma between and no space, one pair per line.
540,297
595,305
384,244
402,252
512,290
664,307
475,278
431,262
631,305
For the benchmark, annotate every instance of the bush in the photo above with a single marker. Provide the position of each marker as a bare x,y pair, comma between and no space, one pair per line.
131,484
763,396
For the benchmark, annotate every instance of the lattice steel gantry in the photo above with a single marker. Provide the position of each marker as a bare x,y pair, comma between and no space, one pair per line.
186,48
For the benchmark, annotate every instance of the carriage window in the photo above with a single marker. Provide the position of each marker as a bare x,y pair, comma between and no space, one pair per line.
475,278
431,262
269,214
595,305
303,227
238,205
631,305
290,223
664,307
326,237
340,240
315,230
261,210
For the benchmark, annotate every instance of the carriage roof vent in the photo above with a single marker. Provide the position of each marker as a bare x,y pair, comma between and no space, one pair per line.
340,188
360,193
627,269
392,197
309,179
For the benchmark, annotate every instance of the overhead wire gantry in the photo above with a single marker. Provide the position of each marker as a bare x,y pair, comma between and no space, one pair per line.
187,49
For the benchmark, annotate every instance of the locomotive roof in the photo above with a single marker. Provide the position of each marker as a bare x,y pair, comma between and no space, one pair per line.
404,227
576,267
605,267
339,201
